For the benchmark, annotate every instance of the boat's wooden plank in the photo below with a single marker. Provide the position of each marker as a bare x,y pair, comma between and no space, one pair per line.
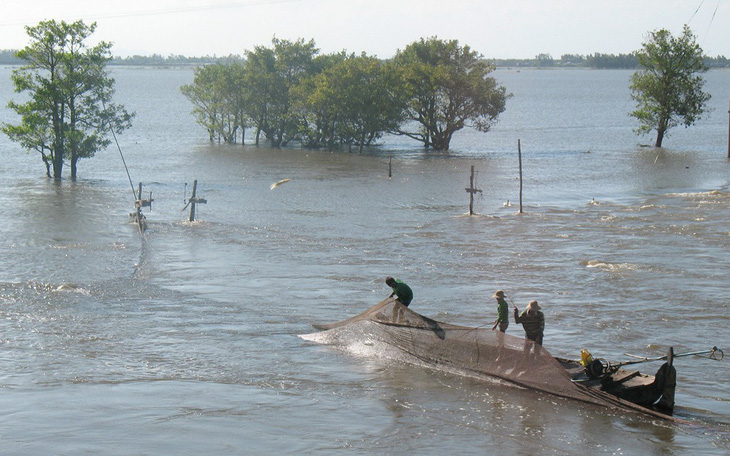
626,377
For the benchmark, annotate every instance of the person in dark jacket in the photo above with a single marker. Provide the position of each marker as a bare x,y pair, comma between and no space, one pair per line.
533,321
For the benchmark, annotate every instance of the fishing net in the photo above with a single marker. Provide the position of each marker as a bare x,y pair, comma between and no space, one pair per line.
392,330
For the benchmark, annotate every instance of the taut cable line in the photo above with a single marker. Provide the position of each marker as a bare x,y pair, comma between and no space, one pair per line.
114,135
134,192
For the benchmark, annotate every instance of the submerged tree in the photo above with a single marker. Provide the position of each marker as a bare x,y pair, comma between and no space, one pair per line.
294,63
259,80
290,93
668,88
273,74
447,88
217,93
69,113
350,102
319,104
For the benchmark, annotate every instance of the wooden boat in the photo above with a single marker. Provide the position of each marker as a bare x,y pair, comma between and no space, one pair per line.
653,392
391,330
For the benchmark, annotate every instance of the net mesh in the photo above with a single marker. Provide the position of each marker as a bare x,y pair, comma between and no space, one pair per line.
390,329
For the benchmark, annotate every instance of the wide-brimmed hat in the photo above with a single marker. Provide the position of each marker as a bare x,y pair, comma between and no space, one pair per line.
499,294
534,305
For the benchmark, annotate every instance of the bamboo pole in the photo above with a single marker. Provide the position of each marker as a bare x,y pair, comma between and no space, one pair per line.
192,201
471,191
519,157
138,217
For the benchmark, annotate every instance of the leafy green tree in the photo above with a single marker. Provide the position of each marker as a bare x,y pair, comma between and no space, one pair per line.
447,87
236,98
371,107
668,88
218,94
319,104
294,63
206,99
352,102
69,113
272,76
260,83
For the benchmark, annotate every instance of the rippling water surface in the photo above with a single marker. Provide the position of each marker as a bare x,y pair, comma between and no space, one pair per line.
185,341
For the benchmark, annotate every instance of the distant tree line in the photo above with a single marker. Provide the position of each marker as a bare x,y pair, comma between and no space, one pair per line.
8,57
290,93
171,60
595,61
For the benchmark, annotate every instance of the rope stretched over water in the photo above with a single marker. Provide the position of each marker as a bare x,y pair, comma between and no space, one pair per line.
134,192
114,135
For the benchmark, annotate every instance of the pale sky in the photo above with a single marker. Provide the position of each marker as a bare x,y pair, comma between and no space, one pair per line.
494,28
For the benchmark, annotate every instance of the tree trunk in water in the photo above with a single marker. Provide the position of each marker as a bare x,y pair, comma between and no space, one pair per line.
58,152
277,138
661,129
48,166
74,162
57,165
659,139
58,145
441,143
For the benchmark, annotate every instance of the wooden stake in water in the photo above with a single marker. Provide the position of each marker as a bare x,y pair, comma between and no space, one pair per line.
471,191
139,203
519,157
194,200
390,166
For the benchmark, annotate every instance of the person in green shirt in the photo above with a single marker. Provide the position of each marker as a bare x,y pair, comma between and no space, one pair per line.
400,289
502,312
